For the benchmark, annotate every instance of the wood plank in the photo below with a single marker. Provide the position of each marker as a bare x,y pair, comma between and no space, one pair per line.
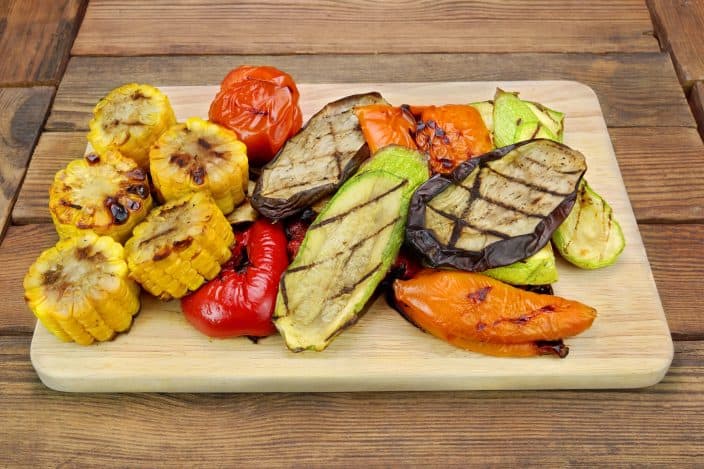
696,103
679,26
662,425
398,26
663,169
36,38
24,110
634,89
674,252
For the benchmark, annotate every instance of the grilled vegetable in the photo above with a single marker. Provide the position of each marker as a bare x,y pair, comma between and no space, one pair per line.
496,209
260,104
240,300
538,269
386,125
486,110
130,118
80,289
590,237
516,120
450,135
200,156
316,161
179,246
346,252
107,194
481,314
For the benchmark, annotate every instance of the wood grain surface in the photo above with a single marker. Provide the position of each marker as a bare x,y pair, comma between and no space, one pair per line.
696,102
383,352
634,89
23,112
655,426
35,39
362,26
679,26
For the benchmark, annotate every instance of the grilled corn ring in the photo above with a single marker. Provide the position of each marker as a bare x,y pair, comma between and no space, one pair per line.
130,119
199,155
107,194
179,246
80,289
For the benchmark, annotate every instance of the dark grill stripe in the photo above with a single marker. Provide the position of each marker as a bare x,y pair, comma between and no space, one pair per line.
543,165
352,248
358,207
346,290
529,184
460,221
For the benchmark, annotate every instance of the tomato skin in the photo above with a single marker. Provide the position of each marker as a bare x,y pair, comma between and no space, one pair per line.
260,104
241,299
385,125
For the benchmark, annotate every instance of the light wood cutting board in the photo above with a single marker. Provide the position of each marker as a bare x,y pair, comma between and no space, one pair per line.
628,346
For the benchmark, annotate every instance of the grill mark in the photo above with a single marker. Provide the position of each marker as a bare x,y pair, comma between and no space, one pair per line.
543,165
512,208
284,292
299,184
346,290
462,222
529,184
351,248
537,129
158,235
474,194
358,207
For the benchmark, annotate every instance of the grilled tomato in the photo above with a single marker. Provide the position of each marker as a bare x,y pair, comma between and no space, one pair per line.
261,105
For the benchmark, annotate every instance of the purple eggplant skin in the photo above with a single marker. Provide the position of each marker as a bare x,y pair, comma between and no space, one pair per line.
280,208
497,254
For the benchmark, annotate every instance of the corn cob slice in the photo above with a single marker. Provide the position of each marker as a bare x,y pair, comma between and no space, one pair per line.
200,156
179,246
130,119
80,289
107,194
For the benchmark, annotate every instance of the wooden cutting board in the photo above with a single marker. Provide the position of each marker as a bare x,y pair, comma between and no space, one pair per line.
628,346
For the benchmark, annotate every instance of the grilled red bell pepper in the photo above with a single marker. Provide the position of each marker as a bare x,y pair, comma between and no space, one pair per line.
241,299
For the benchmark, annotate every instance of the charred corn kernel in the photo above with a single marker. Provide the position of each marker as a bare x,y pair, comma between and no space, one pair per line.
130,119
80,289
199,155
108,194
179,246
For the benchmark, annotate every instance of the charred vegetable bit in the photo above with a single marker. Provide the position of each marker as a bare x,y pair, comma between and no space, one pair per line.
478,313
495,209
315,161
347,251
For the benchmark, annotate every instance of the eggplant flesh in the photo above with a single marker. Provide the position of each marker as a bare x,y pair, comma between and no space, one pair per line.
346,253
495,209
315,161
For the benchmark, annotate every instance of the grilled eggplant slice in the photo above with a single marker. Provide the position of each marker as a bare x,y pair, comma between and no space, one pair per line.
590,237
315,161
495,209
347,251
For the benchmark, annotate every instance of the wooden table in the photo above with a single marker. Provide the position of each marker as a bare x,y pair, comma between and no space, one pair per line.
607,44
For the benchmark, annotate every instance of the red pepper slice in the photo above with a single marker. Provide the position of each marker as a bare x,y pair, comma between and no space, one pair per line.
241,299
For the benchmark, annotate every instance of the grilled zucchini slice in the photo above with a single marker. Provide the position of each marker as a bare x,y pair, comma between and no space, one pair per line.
347,251
130,119
199,155
80,289
107,194
179,246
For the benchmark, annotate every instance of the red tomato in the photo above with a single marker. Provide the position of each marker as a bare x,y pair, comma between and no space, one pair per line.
241,299
260,104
